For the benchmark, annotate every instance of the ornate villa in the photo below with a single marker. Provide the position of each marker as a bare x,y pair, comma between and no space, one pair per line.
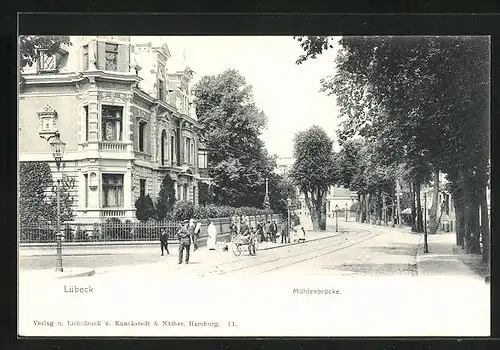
126,115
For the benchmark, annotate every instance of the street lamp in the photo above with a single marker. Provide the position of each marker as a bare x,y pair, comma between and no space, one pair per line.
336,218
346,210
289,204
57,146
266,196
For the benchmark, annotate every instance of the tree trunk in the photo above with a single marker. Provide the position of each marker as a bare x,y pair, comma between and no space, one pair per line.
420,223
358,209
312,211
459,221
322,210
398,200
384,210
472,245
433,224
393,212
379,209
413,209
485,226
367,207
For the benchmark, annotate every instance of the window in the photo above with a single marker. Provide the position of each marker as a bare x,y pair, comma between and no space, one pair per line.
185,195
142,187
142,136
86,57
86,108
86,192
202,159
112,190
161,90
112,124
194,194
191,153
46,62
186,150
111,57
172,149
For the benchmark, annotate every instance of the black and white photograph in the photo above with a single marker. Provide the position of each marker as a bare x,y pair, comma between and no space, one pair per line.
214,186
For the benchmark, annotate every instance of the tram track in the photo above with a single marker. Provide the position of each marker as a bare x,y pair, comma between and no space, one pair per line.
342,241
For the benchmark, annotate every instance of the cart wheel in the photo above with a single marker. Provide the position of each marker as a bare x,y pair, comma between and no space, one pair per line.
236,249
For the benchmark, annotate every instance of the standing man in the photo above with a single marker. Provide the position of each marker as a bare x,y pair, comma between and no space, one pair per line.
284,231
184,241
164,240
274,230
267,229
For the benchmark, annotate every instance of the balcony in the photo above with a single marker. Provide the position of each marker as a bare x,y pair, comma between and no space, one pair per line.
112,146
113,213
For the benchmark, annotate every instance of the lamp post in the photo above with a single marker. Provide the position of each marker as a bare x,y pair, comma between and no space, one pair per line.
426,246
57,146
346,208
336,218
266,196
289,204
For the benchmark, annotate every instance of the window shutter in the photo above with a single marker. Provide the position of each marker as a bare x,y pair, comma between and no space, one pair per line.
123,58
101,55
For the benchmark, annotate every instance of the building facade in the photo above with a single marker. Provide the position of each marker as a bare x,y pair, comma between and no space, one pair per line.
337,197
127,119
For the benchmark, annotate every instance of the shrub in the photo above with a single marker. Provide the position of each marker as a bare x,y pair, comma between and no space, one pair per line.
111,228
183,210
144,208
166,198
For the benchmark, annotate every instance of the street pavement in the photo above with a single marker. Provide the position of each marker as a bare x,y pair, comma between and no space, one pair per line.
374,269
356,250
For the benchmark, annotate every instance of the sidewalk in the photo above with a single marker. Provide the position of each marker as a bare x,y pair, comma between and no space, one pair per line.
446,259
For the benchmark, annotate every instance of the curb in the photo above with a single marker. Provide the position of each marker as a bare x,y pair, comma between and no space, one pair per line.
80,274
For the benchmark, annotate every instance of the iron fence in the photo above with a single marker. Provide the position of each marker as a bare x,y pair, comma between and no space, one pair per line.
118,231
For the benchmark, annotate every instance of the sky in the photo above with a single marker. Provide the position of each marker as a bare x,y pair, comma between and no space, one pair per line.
287,93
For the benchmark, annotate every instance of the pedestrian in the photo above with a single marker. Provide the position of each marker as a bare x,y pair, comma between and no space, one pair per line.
184,241
302,235
164,241
284,231
274,230
212,236
191,227
197,230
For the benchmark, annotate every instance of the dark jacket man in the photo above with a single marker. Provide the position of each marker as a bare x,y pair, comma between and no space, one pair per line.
184,242
164,240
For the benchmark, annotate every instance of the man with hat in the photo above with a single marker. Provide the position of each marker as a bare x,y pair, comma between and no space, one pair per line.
184,241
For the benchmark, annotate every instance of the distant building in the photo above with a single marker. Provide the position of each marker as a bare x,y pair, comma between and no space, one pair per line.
336,196
126,116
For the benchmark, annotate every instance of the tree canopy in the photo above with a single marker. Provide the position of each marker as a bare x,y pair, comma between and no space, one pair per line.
30,44
232,126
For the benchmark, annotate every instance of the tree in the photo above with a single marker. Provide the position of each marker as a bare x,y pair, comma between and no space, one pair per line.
403,91
205,194
144,208
282,188
166,197
314,171
30,44
232,124
37,194
35,179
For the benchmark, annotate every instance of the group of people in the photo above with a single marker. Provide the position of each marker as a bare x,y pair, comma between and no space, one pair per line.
188,234
265,231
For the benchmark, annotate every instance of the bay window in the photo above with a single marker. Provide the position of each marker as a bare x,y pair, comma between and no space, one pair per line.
112,123
112,190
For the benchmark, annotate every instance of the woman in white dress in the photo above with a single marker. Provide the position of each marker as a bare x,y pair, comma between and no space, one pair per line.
212,236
